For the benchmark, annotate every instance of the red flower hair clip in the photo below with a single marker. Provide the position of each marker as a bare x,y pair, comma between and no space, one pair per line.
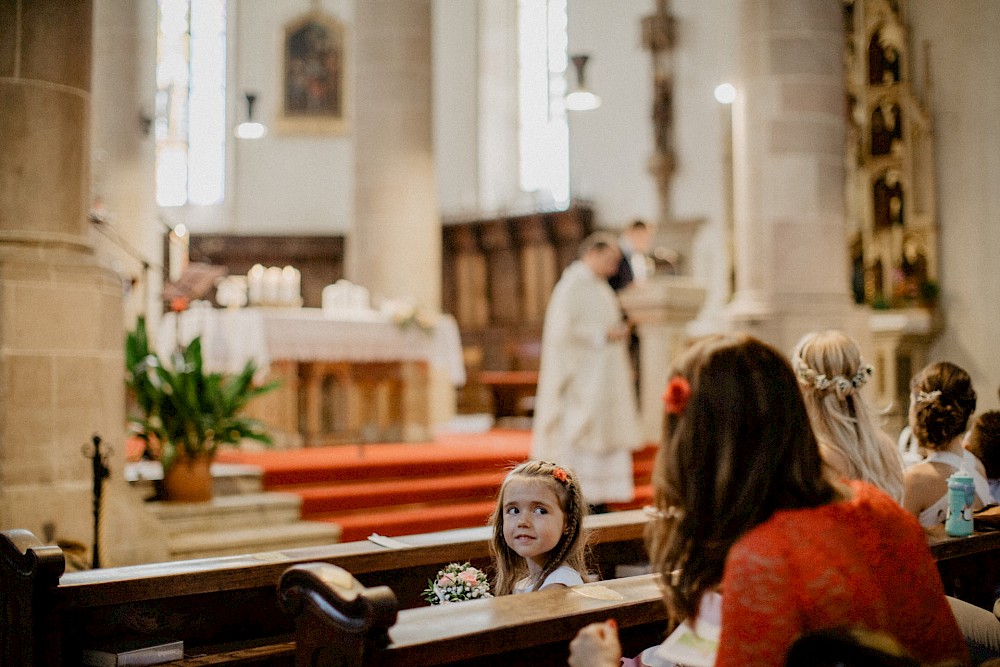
561,475
676,396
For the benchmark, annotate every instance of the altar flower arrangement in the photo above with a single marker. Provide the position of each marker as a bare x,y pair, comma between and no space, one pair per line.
406,315
455,583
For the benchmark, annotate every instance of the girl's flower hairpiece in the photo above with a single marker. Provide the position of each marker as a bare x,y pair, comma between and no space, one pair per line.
561,475
927,397
676,396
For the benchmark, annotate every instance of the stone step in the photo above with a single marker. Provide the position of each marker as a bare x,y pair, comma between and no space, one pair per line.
228,479
225,513
263,540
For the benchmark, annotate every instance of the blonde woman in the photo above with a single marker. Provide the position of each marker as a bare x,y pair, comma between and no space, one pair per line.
831,373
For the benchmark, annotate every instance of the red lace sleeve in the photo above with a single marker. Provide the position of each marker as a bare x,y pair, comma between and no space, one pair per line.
759,615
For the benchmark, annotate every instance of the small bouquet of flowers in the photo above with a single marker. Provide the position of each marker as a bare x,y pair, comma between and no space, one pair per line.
457,582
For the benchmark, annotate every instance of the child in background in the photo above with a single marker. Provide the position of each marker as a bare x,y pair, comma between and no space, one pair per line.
983,440
942,401
831,374
538,529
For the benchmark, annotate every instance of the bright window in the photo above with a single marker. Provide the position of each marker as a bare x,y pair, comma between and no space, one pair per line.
191,102
544,133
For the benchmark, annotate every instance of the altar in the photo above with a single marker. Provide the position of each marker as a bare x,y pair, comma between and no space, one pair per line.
361,377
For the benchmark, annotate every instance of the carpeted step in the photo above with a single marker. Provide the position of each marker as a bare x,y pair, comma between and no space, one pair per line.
643,497
317,465
411,520
358,495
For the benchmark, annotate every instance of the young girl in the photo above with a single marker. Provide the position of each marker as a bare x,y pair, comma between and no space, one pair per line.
746,506
831,374
538,537
942,401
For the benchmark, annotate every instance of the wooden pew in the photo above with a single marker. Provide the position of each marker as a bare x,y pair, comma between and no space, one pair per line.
226,605
507,630
969,566
338,622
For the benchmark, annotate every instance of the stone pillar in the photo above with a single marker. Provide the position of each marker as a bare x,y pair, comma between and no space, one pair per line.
788,146
662,308
123,155
394,247
61,335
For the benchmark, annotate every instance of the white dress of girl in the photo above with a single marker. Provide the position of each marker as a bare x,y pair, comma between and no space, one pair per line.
938,512
563,574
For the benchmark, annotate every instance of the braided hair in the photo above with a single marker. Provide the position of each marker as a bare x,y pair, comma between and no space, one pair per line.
510,567
942,401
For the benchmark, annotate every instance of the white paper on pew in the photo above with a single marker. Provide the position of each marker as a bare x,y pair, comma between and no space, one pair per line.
388,542
598,592
691,647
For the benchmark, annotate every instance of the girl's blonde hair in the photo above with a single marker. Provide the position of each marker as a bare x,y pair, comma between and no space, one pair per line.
510,567
831,374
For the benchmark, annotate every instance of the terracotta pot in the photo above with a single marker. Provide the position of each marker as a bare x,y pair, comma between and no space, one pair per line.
189,480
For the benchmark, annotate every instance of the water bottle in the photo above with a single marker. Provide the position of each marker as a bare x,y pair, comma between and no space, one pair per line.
961,495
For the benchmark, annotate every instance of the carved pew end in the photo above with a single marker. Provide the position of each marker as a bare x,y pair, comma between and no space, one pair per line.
337,620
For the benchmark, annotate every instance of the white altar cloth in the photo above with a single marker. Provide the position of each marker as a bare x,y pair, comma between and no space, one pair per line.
231,337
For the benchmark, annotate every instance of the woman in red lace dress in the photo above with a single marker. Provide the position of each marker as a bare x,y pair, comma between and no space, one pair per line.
746,508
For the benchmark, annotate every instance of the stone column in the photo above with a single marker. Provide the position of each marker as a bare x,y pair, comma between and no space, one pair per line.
123,155
394,246
788,147
61,334
661,308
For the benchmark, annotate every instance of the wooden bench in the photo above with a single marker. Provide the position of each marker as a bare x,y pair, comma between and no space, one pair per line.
338,622
225,607
507,631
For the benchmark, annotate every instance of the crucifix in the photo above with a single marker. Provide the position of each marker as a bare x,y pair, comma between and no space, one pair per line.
659,35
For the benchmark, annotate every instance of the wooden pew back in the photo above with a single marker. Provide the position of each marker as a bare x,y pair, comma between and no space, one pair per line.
338,623
216,603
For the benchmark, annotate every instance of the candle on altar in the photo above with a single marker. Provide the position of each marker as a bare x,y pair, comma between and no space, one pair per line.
272,285
255,284
291,286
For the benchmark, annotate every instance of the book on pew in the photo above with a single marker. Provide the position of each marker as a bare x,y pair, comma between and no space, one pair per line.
142,651
691,646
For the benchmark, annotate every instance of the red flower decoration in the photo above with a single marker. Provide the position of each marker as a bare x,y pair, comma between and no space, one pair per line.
675,398
561,475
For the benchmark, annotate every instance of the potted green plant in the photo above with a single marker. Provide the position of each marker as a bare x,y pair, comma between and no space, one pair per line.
185,413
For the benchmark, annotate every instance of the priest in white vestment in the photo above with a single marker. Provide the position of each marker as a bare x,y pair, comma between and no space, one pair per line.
585,410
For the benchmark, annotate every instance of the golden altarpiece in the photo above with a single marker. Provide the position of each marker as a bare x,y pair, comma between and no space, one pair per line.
891,209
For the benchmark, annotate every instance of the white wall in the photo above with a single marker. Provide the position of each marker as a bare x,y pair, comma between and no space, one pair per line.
283,183
288,184
965,69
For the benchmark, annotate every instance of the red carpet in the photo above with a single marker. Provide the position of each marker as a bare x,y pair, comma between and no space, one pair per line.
404,488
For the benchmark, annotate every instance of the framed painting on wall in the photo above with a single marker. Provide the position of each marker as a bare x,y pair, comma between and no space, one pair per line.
314,90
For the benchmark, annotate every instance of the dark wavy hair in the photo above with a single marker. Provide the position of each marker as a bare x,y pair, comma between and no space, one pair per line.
935,419
984,442
739,450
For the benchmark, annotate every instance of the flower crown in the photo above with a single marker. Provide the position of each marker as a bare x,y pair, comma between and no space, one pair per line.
821,382
561,475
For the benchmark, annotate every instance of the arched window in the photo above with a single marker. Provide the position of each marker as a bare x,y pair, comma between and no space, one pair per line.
190,120
543,131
